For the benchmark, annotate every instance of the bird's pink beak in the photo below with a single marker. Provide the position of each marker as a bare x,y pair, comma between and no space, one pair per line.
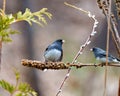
63,41
91,49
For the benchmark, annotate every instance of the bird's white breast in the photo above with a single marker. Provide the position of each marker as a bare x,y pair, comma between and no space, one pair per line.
101,59
53,54
109,61
115,60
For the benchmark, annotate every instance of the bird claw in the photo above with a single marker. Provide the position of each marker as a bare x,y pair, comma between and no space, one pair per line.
95,65
102,64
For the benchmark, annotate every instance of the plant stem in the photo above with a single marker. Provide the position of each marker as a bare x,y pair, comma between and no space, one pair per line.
0,52
107,46
4,4
83,46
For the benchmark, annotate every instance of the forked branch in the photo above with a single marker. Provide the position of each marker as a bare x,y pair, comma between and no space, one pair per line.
82,47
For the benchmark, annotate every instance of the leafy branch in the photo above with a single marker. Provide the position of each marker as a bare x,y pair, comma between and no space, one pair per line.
7,86
36,17
6,20
31,17
20,89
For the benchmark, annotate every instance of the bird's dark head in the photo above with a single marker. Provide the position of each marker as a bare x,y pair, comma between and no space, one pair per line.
61,41
93,49
97,50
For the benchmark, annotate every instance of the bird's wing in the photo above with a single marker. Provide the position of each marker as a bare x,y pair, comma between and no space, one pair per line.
118,59
104,55
61,55
111,57
48,47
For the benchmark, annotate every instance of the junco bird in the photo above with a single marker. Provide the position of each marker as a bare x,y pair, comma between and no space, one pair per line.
54,52
100,55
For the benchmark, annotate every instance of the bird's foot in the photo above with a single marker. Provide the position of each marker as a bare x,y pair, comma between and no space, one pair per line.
95,65
102,64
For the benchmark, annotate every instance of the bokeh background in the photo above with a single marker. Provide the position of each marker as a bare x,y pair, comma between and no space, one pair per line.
74,27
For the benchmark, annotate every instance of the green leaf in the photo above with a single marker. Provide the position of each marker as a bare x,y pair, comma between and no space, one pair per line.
7,86
44,11
12,32
17,74
6,39
18,94
31,17
36,17
25,89
5,35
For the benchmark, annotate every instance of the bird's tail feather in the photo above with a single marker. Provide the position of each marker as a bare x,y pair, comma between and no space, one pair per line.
118,60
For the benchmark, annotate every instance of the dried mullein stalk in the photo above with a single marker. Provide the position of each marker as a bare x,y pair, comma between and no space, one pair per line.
117,2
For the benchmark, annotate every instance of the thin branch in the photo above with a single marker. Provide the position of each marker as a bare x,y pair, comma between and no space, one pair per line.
0,53
107,44
116,31
83,46
117,3
119,88
115,34
115,42
4,4
59,65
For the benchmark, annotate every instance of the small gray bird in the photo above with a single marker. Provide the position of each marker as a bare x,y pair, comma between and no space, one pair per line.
100,55
54,51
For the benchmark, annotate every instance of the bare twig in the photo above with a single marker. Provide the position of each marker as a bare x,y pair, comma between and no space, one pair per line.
4,4
117,3
106,7
102,5
107,44
116,31
115,42
0,53
83,46
115,35
59,65
119,88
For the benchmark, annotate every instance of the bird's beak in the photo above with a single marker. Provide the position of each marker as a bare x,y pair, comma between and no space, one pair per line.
91,49
63,41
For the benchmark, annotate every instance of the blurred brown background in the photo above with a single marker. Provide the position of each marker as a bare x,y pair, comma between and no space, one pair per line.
74,27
